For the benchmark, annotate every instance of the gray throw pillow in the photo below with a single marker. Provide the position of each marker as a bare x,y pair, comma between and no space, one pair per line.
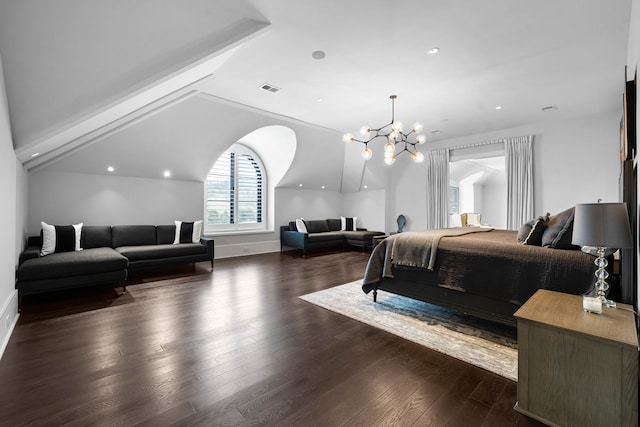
531,232
559,231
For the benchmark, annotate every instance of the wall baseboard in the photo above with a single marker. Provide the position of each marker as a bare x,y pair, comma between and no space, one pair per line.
244,249
8,319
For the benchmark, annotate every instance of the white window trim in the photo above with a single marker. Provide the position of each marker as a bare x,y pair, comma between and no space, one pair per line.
240,228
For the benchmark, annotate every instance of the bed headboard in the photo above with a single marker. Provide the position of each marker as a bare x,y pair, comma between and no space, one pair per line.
629,257
629,191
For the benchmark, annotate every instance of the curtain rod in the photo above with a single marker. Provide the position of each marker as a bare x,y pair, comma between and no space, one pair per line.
495,141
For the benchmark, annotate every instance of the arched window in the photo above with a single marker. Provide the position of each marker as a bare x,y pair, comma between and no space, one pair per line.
235,196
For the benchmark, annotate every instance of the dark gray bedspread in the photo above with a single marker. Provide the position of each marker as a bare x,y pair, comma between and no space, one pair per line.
489,264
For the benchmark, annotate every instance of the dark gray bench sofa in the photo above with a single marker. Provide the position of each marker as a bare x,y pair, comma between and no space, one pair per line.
324,234
108,254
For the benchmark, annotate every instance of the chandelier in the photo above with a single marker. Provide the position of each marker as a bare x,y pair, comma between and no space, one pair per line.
394,135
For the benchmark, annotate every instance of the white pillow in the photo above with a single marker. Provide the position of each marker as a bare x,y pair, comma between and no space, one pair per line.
343,223
195,235
78,228
301,226
49,238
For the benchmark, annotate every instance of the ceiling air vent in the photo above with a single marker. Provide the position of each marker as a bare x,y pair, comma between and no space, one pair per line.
549,108
269,88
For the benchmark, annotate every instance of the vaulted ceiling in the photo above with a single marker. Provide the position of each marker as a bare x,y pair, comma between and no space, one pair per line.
174,82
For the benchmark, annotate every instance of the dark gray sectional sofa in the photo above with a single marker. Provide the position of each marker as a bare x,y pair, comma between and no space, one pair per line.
324,234
108,254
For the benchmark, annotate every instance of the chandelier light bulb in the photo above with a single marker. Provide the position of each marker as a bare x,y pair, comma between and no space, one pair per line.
365,130
417,127
367,153
421,139
389,160
397,126
393,135
418,157
347,137
389,147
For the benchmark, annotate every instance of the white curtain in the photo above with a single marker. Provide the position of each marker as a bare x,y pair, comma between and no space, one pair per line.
437,188
519,168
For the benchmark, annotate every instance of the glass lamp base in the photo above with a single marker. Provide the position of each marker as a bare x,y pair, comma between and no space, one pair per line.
608,303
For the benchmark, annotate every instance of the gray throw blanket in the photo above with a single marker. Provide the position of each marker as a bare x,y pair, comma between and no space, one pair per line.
418,249
412,249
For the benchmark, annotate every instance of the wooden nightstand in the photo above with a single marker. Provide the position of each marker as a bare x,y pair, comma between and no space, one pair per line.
576,368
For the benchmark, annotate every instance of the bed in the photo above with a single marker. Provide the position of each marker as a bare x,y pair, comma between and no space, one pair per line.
481,272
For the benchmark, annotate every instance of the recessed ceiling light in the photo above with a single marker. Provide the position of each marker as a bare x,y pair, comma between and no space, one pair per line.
318,54
322,187
35,155
299,185
436,132
319,99
110,169
434,50
366,186
167,174
499,107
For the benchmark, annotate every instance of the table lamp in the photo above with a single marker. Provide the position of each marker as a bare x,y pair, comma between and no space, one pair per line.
602,225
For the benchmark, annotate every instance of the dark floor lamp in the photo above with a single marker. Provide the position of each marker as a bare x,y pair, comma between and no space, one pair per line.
601,225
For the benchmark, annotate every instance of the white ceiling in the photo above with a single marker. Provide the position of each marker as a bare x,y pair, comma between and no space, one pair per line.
66,63
520,55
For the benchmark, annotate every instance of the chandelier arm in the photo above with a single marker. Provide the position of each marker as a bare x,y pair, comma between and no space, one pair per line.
382,127
360,140
372,138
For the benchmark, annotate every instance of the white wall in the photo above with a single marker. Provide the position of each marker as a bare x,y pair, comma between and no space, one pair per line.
70,198
406,195
368,206
10,242
494,206
292,203
575,161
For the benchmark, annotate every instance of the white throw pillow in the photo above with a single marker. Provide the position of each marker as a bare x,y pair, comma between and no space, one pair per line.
78,228
345,220
301,226
49,238
195,235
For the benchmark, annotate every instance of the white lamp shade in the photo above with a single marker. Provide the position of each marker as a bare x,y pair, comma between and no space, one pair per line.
604,225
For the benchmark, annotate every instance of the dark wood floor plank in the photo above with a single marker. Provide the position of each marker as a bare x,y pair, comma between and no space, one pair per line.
232,347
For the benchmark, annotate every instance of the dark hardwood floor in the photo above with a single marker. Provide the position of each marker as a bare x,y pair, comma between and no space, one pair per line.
235,346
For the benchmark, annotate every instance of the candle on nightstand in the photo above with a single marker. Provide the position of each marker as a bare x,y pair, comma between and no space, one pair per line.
592,305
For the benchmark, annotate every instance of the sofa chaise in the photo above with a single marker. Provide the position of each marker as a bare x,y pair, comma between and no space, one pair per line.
108,254
324,234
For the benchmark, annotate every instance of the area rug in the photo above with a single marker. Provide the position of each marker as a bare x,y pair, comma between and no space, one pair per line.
485,344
